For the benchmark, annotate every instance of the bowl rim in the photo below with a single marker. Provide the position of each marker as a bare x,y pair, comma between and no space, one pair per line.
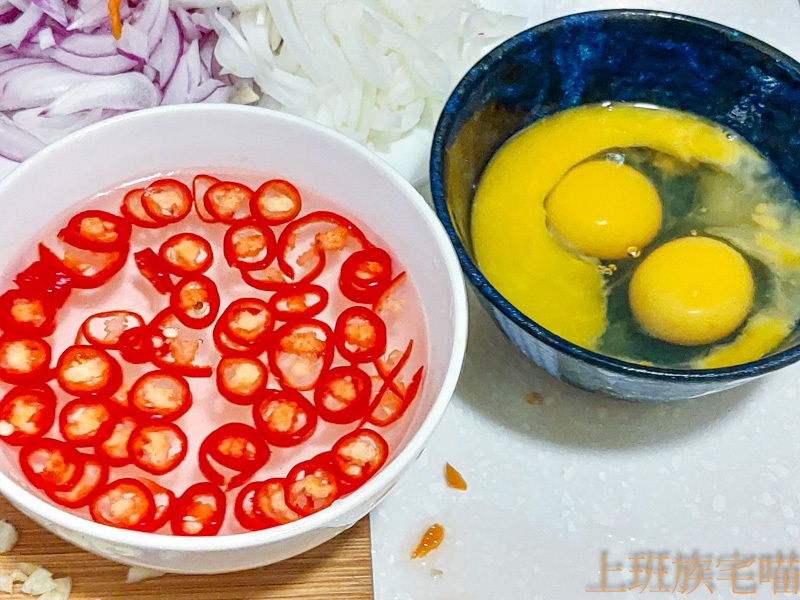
387,476
446,124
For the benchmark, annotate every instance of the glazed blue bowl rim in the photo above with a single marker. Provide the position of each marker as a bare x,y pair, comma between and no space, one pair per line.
446,123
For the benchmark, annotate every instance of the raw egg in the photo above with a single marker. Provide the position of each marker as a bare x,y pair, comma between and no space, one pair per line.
692,291
604,209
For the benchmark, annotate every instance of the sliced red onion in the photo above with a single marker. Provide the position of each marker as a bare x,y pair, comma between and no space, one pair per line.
177,90
93,65
144,29
7,65
9,14
164,58
14,33
93,14
89,44
61,69
15,143
212,90
33,85
53,8
51,128
127,91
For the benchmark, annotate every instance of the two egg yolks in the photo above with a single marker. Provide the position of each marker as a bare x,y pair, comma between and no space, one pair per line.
532,233
690,291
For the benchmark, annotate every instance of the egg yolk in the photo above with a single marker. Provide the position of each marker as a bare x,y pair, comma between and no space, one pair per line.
692,291
604,209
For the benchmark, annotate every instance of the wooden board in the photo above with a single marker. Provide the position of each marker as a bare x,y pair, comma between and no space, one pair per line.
340,568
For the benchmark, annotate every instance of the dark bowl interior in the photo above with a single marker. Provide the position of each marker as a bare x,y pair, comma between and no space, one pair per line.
670,60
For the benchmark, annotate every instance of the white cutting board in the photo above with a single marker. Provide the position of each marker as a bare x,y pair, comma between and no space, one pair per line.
554,486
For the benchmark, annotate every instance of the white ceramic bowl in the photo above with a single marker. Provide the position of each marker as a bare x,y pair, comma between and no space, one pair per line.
169,138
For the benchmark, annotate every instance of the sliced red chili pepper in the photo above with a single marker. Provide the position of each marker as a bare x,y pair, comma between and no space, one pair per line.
365,275
310,487
342,394
298,301
386,305
388,370
107,328
89,270
24,360
195,301
389,405
50,465
26,413
245,507
125,503
47,277
359,455
247,321
88,371
270,503
270,279
155,270
133,210
186,253
94,476
285,418
276,202
163,501
228,201
199,511
158,448
160,396
313,260
301,352
231,454
86,422
240,380
175,347
115,447
167,201
97,230
135,345
332,237
200,186
227,347
360,335
249,246
26,313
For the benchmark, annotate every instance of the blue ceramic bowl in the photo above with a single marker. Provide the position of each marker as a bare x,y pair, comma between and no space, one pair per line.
624,55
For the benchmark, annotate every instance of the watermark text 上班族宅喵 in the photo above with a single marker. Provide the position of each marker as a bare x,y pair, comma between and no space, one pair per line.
684,575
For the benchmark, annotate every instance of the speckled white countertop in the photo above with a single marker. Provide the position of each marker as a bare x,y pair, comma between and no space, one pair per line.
554,486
